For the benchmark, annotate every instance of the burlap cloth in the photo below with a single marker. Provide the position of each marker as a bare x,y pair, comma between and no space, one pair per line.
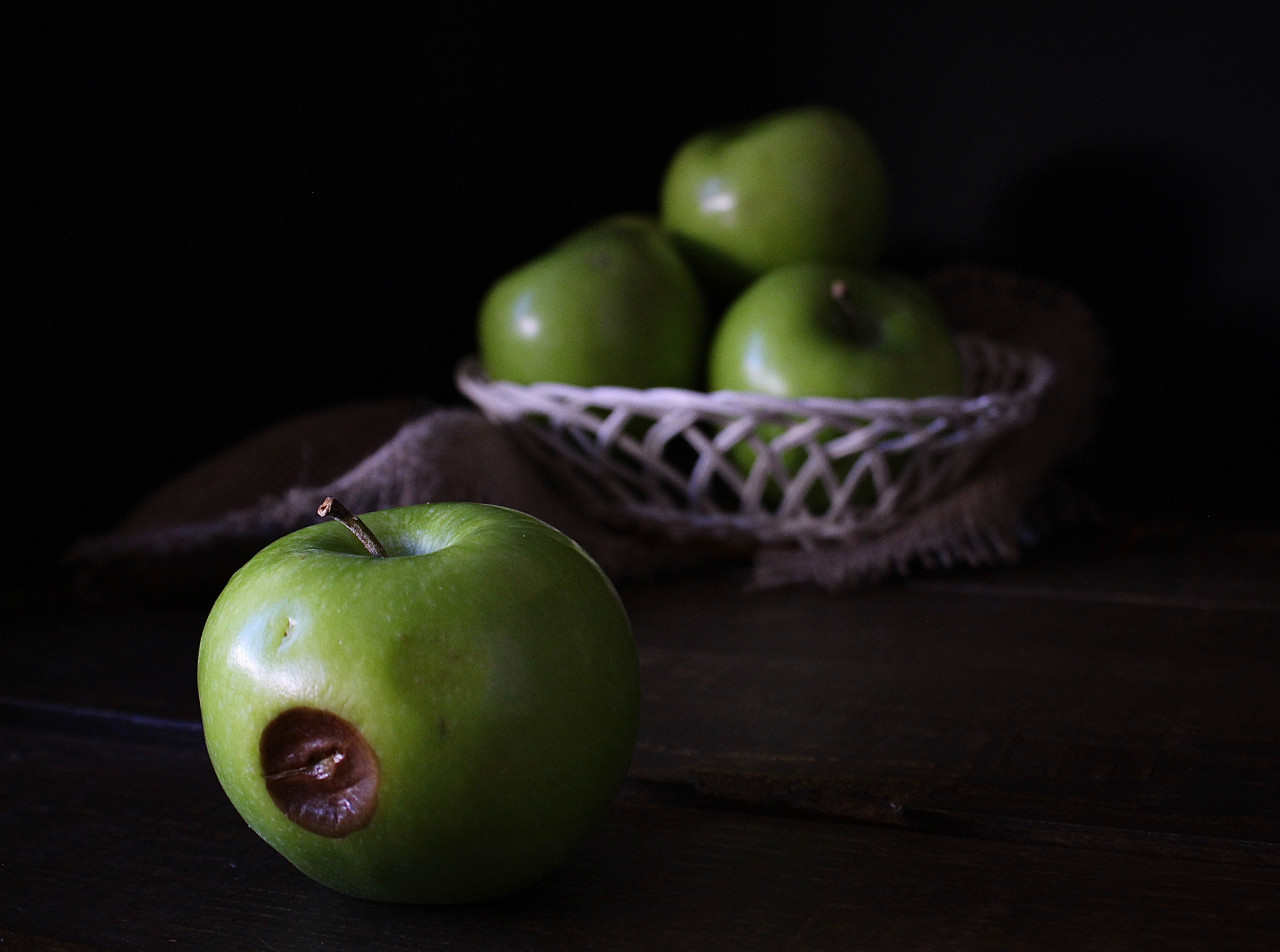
187,538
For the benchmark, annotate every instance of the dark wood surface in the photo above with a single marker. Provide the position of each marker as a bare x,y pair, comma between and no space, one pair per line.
1078,752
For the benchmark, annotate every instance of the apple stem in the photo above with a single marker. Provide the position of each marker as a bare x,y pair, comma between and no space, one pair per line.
855,324
331,507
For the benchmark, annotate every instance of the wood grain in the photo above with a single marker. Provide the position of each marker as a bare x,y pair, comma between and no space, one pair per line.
136,848
1082,751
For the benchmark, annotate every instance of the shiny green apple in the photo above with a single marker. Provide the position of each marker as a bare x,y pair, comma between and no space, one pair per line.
614,304
440,723
821,330
804,184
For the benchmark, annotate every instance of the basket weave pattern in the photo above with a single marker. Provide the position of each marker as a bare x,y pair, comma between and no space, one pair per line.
749,467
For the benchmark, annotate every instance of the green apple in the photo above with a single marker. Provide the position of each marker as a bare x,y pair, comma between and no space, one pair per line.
822,330
437,715
614,304
805,184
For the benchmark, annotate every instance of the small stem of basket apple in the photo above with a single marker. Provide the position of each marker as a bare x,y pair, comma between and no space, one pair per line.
855,324
331,507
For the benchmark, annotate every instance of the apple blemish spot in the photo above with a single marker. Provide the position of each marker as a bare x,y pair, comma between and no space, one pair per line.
320,771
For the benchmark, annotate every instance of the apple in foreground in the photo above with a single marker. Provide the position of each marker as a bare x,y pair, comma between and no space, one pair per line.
438,713
804,184
614,304
821,330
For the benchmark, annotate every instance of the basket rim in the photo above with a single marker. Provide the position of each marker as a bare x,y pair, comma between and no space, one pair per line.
576,431
472,380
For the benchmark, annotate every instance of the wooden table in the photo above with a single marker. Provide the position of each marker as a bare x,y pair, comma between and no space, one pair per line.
1079,752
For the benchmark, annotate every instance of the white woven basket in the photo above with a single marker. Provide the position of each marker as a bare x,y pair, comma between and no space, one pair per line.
662,460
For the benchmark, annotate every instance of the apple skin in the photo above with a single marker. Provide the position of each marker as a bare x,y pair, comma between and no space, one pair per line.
804,184
789,335
487,661
614,304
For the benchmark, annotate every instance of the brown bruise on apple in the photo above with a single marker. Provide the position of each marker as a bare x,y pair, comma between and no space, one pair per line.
320,771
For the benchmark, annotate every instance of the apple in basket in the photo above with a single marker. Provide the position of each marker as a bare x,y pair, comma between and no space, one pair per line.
822,330
434,706
614,304
803,184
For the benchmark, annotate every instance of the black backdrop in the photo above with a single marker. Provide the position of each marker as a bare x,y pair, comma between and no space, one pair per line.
216,208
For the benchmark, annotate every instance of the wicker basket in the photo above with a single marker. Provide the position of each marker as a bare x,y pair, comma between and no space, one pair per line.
746,467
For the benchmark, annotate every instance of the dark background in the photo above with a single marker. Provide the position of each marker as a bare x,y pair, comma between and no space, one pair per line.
225,217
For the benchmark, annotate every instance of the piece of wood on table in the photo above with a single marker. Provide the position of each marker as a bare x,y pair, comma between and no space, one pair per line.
112,843
1075,700
1045,702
